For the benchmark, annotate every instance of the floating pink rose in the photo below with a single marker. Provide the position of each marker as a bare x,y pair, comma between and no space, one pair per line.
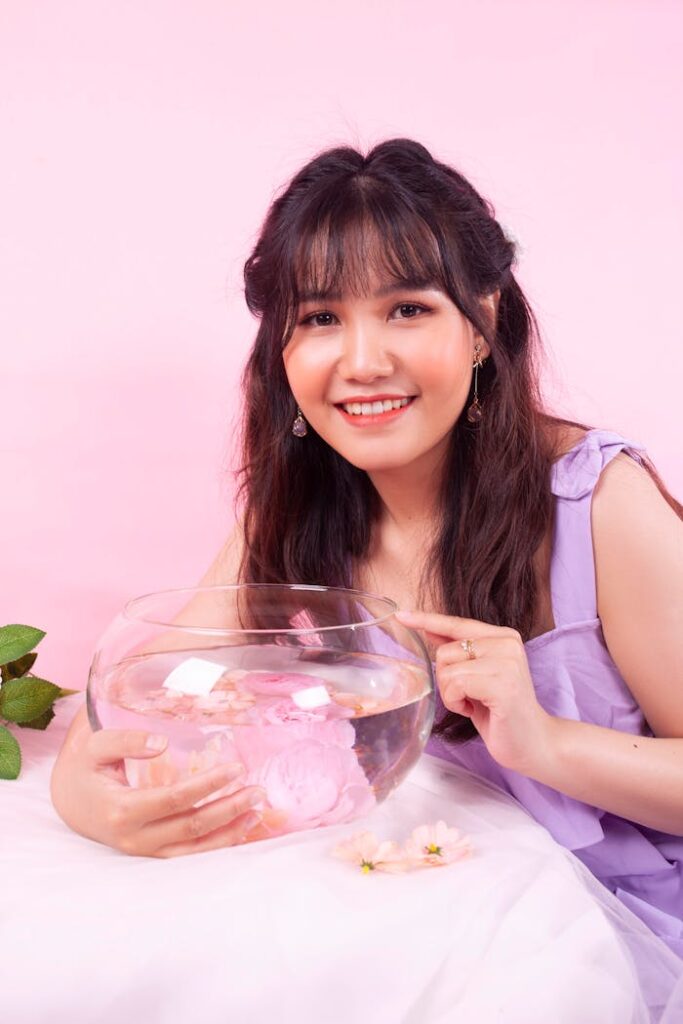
315,783
257,742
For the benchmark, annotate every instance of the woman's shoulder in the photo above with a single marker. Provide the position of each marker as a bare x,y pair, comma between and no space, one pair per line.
627,493
583,457
566,438
627,497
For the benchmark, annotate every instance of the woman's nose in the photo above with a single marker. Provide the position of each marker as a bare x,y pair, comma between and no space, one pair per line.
364,355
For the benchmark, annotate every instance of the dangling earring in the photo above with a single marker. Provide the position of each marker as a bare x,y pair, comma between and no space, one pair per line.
299,427
475,411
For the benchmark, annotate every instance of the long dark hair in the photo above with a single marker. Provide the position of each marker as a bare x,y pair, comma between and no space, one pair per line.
308,513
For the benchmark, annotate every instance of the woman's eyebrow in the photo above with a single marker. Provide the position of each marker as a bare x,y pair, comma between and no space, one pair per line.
381,293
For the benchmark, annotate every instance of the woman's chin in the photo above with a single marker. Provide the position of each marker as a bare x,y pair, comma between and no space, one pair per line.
380,463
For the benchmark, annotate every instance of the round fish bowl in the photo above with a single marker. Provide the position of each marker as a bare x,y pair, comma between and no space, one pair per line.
319,692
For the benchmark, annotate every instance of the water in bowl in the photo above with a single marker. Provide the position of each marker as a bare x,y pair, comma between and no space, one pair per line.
327,734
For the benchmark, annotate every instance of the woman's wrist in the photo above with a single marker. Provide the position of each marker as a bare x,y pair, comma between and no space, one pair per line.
639,778
543,762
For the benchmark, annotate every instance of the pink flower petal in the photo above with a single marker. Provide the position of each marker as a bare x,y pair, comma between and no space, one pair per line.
366,850
436,845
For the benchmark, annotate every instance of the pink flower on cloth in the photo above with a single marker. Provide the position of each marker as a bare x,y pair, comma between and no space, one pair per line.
428,846
371,854
437,844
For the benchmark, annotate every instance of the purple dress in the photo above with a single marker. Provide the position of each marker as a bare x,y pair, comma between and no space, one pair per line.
575,677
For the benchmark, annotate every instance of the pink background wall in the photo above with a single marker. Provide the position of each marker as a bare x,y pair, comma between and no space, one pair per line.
142,142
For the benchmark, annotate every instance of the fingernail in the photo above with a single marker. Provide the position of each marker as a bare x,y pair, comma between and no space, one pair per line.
234,770
251,821
155,743
404,614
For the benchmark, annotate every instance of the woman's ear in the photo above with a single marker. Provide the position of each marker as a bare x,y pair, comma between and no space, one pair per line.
490,310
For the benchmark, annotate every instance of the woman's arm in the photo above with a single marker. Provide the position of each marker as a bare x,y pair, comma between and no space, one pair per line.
638,542
640,778
638,545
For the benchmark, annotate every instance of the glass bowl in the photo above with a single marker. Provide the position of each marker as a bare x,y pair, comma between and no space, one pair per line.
324,697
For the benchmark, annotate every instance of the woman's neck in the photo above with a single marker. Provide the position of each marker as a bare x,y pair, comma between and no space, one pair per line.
409,495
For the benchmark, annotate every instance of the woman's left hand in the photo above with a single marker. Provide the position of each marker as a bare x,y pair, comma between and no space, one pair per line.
492,685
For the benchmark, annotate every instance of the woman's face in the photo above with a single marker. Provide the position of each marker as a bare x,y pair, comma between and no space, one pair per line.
347,354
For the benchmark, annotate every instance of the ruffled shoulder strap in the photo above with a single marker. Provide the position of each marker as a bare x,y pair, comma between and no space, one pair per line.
573,480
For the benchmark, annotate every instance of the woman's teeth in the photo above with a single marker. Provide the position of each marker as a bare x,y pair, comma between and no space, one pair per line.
374,408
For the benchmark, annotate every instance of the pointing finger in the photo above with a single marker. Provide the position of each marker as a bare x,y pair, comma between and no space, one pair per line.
450,627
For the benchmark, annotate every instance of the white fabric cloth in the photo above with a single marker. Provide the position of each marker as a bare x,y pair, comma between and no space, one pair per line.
282,931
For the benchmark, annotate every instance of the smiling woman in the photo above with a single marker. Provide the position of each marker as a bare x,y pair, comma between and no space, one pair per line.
395,441
386,278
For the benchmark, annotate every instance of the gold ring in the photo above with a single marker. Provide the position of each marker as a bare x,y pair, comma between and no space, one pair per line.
468,647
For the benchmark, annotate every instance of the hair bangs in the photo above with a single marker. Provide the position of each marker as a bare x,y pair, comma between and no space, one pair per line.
364,239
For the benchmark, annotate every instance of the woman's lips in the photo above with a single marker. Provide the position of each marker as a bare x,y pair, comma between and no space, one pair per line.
374,419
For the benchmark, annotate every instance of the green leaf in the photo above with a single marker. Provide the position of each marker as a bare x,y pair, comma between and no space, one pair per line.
10,755
22,700
41,722
18,668
16,641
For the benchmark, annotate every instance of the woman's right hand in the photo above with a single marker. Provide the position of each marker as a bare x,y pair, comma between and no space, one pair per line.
90,793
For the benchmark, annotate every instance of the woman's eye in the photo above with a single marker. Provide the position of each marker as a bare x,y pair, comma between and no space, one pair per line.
409,309
315,319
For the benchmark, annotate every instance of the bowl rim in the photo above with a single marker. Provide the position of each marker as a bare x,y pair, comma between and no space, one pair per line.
129,613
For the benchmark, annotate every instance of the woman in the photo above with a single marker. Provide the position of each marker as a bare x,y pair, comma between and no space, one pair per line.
395,441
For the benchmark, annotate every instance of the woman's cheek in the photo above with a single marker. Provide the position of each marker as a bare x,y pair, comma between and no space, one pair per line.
308,373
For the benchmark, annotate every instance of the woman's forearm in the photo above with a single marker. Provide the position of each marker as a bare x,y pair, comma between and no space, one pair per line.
636,777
